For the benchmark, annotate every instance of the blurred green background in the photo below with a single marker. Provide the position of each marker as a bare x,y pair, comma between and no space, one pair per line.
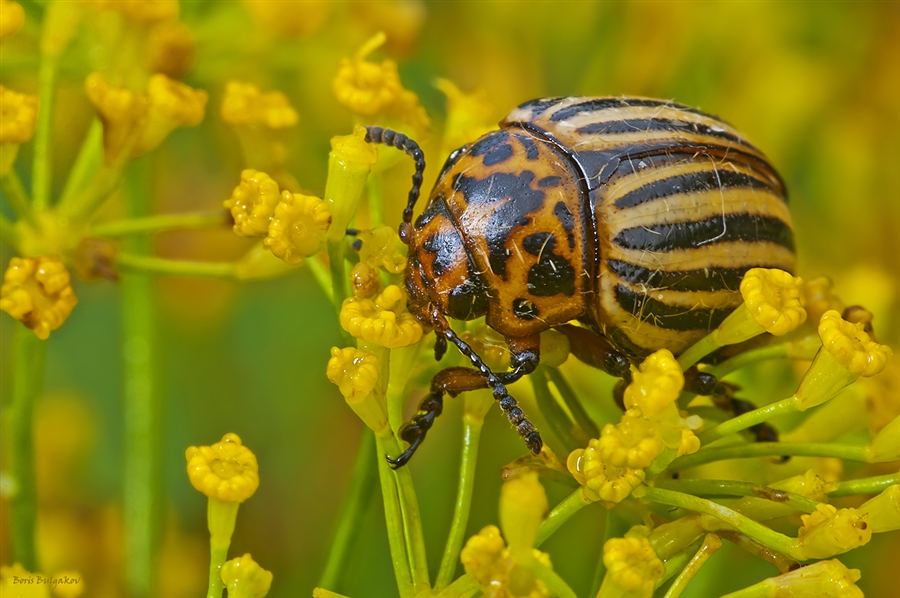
815,85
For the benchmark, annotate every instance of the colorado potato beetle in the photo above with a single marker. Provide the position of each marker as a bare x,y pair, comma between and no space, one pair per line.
635,217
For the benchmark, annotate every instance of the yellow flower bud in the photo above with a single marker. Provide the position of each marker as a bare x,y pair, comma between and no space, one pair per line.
773,299
632,568
883,510
18,115
171,105
38,293
381,321
252,203
829,531
170,49
851,346
523,506
555,348
602,481
122,113
656,385
356,373
364,279
349,162
12,17
634,442
245,104
226,471
486,559
244,578
817,298
298,227
886,444
381,246
291,19
824,579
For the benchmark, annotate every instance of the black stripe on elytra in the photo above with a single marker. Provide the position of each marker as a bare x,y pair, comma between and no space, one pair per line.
599,104
718,229
489,141
664,315
644,125
705,279
531,148
521,200
692,182
539,106
624,343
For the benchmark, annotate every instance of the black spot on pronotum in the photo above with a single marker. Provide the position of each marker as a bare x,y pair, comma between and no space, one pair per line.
531,148
561,210
467,301
549,181
525,309
447,248
489,141
538,242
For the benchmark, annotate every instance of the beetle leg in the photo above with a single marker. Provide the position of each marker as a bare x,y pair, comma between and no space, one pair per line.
722,394
595,351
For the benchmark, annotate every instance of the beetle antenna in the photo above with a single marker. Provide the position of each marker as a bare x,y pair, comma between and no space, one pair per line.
412,149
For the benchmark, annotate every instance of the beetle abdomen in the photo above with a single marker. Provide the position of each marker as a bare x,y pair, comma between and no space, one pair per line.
683,204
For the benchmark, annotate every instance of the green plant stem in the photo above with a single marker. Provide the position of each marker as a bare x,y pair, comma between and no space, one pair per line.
711,543
582,419
698,351
393,519
749,419
463,587
732,518
15,194
456,537
8,232
376,199
42,169
555,415
145,264
556,584
678,562
562,513
221,518
141,409
872,485
28,375
353,510
412,523
339,283
769,449
741,360
321,275
616,526
88,162
161,223
703,487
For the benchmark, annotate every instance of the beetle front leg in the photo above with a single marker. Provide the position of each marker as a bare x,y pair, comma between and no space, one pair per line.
722,394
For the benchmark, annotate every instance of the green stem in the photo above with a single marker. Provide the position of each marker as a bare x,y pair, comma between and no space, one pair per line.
616,527
42,169
769,449
678,562
144,264
89,160
745,525
321,275
556,584
15,194
582,419
28,352
339,282
872,485
412,523
463,587
393,519
561,513
353,510
375,199
711,543
8,232
698,351
555,415
741,360
141,409
161,223
749,419
703,487
456,537
217,557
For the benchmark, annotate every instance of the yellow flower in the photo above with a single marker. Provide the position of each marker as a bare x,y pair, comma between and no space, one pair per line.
11,18
364,279
381,321
171,105
469,116
252,203
244,578
823,579
600,480
147,11
17,582
226,471
349,162
38,293
486,559
773,299
851,346
634,442
817,298
298,227
289,18
523,506
381,246
632,568
490,345
356,373
18,115
883,510
122,113
245,104
170,49
656,385
829,531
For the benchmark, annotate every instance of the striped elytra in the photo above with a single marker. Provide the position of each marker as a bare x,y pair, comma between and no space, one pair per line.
636,217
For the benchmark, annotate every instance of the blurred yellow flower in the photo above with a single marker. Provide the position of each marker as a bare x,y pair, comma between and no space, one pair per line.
829,531
38,293
122,113
656,384
170,49
364,279
298,227
469,116
171,105
18,115
289,18
245,104
381,321
600,480
851,346
487,560
226,471
244,578
382,247
252,203
817,298
632,568
146,12
17,582
523,506
12,17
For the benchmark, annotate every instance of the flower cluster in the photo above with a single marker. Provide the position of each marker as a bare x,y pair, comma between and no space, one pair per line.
38,293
